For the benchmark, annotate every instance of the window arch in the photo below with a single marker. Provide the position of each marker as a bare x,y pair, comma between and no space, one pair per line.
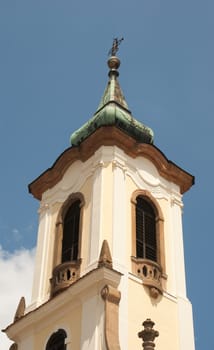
147,227
57,341
68,232
148,258
67,248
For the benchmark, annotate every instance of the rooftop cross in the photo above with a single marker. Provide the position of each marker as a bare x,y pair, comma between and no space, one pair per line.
115,46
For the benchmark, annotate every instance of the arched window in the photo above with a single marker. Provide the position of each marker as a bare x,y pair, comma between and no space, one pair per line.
146,241
67,249
70,240
148,261
57,341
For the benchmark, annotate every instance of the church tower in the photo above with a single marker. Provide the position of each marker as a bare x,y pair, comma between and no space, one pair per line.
110,248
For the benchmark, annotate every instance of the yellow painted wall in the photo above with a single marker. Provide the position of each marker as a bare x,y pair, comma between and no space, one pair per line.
70,321
163,311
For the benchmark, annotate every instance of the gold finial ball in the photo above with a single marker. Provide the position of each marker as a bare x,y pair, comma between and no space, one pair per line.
113,62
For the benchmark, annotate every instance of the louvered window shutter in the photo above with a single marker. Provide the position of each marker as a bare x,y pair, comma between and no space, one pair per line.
70,240
146,246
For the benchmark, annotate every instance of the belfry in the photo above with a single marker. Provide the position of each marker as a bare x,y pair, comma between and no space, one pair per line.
109,271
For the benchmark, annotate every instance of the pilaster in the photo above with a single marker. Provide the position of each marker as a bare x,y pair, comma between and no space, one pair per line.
96,214
178,251
39,291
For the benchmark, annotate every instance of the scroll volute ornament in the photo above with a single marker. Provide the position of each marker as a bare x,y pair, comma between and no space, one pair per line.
148,334
111,297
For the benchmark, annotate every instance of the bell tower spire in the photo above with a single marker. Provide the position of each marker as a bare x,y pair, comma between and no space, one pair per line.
110,242
113,109
113,91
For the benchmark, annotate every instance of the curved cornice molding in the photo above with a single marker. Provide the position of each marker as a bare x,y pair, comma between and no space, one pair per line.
110,136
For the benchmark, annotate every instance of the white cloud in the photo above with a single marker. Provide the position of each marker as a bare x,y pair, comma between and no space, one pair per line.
16,271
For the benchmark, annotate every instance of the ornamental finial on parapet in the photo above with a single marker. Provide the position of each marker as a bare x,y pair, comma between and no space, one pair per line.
105,258
20,311
148,335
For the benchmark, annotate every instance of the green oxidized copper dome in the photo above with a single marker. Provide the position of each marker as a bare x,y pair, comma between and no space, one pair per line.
113,111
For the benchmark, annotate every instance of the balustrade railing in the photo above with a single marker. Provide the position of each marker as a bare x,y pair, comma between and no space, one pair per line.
150,272
64,275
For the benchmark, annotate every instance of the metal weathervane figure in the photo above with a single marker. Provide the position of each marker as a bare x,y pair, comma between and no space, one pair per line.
115,46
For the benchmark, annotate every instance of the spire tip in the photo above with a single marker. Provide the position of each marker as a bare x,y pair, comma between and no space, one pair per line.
115,46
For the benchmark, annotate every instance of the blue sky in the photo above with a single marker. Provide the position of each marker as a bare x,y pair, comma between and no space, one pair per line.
52,75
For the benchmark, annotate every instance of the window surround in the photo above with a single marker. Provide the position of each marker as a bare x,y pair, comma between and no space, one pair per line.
65,273
59,226
153,267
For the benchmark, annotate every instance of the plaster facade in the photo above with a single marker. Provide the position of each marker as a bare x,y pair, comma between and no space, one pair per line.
107,182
